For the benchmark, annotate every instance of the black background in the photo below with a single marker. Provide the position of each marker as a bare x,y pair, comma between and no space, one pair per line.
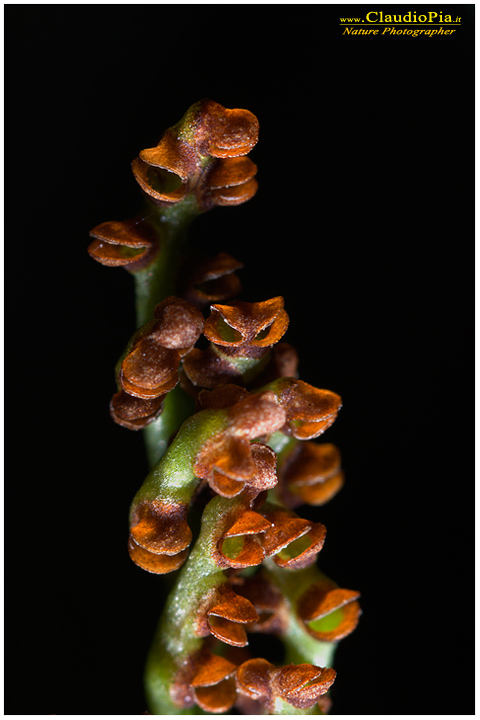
363,222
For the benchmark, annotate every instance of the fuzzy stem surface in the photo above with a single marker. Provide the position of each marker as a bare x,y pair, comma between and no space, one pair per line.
177,638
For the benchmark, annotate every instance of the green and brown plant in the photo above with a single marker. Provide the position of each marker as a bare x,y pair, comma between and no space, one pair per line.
230,433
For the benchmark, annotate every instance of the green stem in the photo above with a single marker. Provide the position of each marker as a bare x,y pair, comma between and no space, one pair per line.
152,285
157,280
177,637
178,407
300,647
281,707
282,444
173,477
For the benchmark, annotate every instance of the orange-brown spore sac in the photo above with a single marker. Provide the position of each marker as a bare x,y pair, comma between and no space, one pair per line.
265,460
286,528
299,685
303,553
213,684
172,154
240,547
178,324
241,330
229,461
223,132
129,243
202,155
256,416
247,329
229,615
159,535
232,181
232,172
312,474
211,280
253,678
156,563
222,397
135,413
267,600
149,369
328,612
293,541
302,685
226,463
310,410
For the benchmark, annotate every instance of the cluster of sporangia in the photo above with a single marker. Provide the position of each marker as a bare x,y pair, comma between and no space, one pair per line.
249,400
